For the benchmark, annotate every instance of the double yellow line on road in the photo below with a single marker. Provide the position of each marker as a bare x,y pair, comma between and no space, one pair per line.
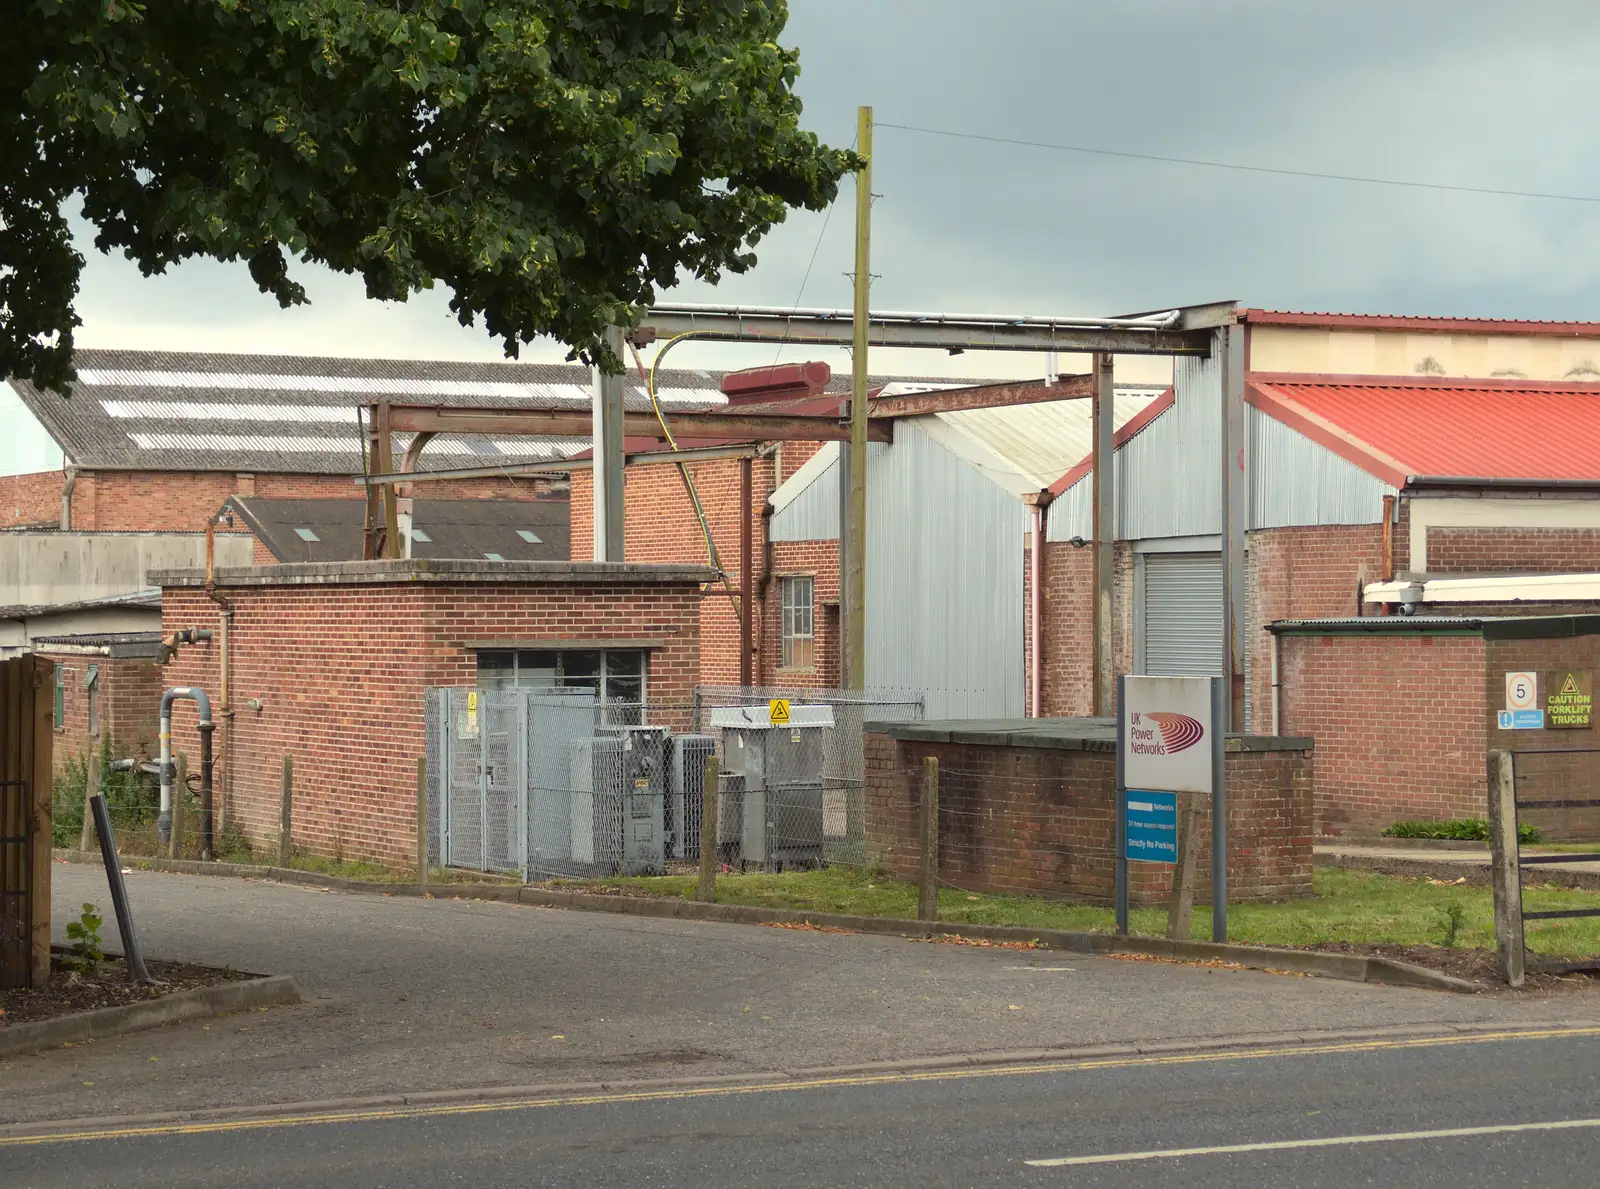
290,1117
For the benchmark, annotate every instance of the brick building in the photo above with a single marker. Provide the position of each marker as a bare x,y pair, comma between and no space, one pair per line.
160,440
107,693
1405,710
328,664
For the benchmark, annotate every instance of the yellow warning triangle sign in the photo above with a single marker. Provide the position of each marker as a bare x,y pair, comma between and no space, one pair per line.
1571,686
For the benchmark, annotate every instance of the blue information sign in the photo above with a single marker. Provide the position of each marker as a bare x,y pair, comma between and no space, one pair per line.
1522,720
1152,827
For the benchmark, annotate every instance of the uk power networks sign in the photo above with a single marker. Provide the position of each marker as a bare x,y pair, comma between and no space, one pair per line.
1166,729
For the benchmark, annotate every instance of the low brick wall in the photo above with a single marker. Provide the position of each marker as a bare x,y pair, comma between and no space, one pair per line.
1035,813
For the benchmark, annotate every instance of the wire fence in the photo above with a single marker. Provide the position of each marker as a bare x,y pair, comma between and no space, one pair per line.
1557,794
562,784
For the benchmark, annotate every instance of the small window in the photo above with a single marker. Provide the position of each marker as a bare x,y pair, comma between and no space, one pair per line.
61,698
418,535
531,537
494,557
306,534
799,631
92,683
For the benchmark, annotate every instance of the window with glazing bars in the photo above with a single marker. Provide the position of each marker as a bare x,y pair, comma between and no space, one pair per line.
799,625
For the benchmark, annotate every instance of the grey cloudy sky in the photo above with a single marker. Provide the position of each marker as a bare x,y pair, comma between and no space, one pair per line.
1477,94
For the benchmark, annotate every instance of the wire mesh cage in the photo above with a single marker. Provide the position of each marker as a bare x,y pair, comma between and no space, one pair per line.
560,783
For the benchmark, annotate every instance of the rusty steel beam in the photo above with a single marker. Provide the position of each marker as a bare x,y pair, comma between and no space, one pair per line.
983,396
578,423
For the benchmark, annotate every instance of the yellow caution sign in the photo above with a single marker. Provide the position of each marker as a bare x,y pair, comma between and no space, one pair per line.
472,712
778,712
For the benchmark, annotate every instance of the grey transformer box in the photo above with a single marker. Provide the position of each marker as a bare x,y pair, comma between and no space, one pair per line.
619,787
772,802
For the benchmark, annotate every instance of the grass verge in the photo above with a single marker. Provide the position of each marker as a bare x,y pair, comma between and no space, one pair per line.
1356,907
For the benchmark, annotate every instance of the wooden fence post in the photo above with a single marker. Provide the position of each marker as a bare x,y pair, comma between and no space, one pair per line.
1180,908
422,826
1504,848
91,786
928,892
286,813
180,800
711,792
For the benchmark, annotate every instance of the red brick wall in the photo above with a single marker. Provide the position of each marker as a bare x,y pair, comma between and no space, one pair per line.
660,525
134,501
1531,550
1066,623
1039,821
1400,723
1303,573
820,559
130,701
341,671
31,499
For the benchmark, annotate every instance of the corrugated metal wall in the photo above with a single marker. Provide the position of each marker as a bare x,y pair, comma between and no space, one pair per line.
944,581
1169,482
944,574
1293,480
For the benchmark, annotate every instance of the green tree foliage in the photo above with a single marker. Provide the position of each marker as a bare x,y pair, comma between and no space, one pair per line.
554,163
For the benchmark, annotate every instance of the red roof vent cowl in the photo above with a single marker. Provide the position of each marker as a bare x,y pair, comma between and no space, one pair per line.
786,381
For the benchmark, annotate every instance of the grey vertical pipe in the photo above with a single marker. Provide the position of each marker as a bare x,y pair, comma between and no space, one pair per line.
198,696
119,892
1121,865
1104,515
1221,696
1235,490
608,457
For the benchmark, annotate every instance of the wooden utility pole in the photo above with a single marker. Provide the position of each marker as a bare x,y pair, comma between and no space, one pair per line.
1104,531
854,618
928,885
1506,870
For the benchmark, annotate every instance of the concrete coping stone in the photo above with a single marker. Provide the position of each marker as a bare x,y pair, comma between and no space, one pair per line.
197,1003
1055,734
441,571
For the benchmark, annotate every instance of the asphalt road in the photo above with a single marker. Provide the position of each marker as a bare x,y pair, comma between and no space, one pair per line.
949,1130
406,995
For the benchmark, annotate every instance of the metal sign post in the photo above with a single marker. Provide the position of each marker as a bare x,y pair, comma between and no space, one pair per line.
1170,740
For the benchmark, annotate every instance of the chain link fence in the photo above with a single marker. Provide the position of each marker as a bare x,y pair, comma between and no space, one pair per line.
560,784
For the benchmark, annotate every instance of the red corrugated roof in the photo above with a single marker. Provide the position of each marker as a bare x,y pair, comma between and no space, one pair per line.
1397,428
1426,323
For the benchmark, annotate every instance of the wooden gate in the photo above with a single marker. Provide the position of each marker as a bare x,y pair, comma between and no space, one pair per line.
26,708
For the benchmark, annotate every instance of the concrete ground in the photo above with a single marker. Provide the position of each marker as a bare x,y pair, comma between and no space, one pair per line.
410,995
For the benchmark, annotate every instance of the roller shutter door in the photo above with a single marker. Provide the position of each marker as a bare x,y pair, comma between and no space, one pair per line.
1183,614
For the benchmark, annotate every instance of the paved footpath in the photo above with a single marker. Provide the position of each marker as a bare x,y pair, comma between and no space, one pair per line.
411,995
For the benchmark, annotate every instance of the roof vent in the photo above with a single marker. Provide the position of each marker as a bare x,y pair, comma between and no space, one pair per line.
767,385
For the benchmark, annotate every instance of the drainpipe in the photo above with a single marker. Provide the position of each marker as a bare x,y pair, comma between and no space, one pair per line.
1036,606
66,498
225,677
1277,687
164,818
1388,546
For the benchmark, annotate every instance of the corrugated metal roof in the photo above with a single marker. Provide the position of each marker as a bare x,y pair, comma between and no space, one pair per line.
1396,429
1041,442
515,530
1432,323
159,410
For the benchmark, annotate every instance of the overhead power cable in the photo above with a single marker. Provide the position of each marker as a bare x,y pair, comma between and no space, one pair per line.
1358,179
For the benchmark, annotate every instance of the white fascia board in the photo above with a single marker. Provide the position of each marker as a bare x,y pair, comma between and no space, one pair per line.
809,472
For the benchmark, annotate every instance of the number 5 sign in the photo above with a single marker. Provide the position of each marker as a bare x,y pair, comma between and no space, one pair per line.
1522,691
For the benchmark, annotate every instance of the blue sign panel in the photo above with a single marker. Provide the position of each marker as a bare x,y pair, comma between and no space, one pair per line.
1152,827
1522,720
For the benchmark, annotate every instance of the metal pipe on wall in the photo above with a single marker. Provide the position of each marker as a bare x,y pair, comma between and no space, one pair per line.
66,498
164,816
746,572
1277,687
224,659
1035,606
